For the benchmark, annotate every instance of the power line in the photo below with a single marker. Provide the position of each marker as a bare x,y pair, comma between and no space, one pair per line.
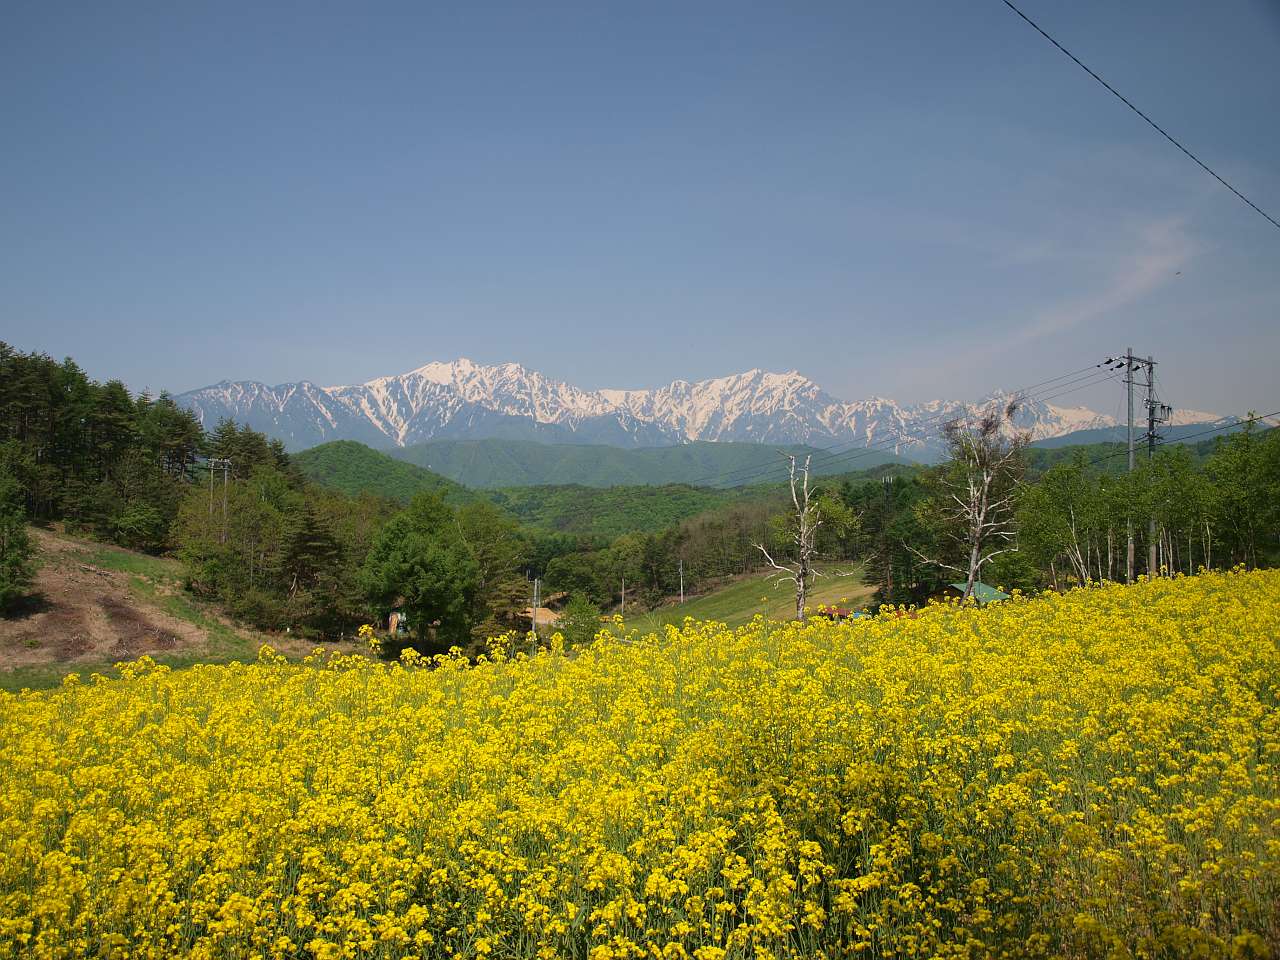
1103,378
1236,422
1119,96
1223,426
844,446
845,459
917,431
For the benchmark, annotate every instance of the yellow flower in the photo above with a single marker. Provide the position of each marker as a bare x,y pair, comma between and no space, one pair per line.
1093,767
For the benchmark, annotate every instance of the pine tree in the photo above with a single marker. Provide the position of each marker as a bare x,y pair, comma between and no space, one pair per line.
17,556
420,563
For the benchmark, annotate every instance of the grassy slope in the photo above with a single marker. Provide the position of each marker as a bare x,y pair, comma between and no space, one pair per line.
741,600
152,584
354,468
486,464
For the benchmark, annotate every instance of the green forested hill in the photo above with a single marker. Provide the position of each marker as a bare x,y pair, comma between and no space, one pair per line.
588,508
487,464
1182,433
570,508
354,468
613,511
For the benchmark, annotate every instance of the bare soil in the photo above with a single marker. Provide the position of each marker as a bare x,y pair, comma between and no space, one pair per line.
80,613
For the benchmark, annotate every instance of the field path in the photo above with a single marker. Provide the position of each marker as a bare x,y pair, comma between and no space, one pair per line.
736,602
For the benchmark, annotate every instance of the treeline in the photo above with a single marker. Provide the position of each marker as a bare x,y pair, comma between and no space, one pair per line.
1109,457
282,552
114,465
1185,512
1213,505
705,549
271,547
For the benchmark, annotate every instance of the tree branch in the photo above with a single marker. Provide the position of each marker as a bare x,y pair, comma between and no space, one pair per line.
931,561
995,553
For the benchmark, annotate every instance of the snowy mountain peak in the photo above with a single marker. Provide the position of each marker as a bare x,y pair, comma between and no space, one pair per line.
465,399
1181,418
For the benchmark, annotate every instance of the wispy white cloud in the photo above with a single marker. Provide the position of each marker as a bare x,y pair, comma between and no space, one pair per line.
1160,249
1137,261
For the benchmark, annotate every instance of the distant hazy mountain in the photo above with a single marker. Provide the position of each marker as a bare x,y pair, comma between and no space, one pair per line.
510,463
1182,428
465,400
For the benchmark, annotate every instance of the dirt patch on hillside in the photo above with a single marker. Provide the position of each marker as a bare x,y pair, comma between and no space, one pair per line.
82,616
81,612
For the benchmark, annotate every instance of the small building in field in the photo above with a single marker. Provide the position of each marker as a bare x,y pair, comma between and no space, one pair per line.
982,592
548,611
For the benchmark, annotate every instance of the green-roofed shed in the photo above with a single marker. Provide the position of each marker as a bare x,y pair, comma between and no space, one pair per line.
981,592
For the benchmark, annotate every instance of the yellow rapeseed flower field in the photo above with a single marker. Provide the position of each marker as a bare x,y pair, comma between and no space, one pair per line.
1086,775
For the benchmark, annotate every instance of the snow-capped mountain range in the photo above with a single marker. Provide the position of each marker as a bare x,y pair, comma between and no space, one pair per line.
463,399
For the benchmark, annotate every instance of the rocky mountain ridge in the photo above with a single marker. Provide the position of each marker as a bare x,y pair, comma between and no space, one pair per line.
464,399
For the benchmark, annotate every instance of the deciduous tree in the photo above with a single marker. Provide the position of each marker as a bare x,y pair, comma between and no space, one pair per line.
803,522
972,509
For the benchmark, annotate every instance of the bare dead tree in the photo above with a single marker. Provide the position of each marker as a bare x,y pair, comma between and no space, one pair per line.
978,508
804,523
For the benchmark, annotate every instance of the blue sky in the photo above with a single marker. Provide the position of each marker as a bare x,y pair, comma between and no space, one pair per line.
908,200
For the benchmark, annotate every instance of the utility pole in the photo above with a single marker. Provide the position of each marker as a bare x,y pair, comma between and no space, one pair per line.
1151,452
1152,413
624,596
1128,379
1157,413
533,611
225,465
682,579
215,462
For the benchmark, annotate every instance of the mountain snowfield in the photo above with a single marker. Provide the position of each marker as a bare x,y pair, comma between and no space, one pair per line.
463,399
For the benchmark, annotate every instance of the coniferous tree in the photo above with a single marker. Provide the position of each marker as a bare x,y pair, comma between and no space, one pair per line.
505,611
420,564
17,557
